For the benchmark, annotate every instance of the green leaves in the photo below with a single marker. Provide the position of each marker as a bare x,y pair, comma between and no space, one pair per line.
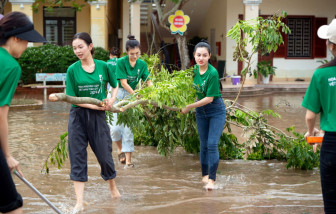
50,59
58,154
264,35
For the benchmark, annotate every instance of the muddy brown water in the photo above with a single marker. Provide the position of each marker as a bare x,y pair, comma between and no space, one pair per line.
164,184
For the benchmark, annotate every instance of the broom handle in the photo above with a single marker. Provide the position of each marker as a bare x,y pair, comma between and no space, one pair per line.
37,192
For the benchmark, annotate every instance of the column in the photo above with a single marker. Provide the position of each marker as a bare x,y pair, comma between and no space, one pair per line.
251,12
125,23
135,20
24,6
99,31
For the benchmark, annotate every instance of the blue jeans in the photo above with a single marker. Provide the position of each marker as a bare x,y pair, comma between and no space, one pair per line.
210,121
328,172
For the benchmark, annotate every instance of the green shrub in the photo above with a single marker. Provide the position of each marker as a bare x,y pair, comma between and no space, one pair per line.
101,54
50,59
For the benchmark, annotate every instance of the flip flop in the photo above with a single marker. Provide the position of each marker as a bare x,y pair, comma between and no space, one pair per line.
122,158
130,165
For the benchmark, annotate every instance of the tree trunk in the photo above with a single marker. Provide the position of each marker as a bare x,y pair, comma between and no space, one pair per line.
183,51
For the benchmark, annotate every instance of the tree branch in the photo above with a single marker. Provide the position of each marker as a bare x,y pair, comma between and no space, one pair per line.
119,107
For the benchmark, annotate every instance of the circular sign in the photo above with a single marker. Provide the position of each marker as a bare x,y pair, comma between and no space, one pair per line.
178,21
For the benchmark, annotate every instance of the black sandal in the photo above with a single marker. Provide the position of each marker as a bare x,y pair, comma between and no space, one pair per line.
122,158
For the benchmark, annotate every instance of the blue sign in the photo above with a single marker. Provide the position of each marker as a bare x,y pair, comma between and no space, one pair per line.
50,77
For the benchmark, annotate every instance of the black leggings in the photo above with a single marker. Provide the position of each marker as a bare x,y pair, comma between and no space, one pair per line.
328,172
10,199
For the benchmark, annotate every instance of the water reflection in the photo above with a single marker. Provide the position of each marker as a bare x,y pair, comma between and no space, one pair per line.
164,184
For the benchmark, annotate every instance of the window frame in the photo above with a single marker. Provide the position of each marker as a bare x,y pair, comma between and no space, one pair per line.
319,49
311,38
59,24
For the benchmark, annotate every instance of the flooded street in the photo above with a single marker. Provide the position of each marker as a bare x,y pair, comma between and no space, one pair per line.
164,184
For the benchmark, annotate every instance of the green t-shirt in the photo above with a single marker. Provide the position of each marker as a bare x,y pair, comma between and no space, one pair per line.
112,64
132,74
10,73
80,83
207,84
321,97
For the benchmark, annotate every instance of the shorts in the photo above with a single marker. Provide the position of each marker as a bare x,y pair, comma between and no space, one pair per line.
122,132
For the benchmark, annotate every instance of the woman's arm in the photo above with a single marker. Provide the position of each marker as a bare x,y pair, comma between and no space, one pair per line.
111,100
202,102
125,85
310,122
12,163
149,83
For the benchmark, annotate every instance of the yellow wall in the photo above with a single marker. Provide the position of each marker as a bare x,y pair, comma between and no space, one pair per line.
8,7
82,18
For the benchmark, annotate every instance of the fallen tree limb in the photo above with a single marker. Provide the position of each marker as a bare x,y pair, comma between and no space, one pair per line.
119,107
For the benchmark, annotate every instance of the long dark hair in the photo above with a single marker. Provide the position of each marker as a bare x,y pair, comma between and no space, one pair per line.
132,43
9,23
85,37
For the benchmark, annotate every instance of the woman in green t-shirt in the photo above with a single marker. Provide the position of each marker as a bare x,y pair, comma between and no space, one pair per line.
87,123
130,70
320,98
16,30
210,112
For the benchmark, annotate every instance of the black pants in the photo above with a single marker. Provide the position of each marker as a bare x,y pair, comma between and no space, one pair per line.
10,199
87,126
328,172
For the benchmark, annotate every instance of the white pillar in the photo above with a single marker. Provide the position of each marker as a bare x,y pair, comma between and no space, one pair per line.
251,12
125,23
135,20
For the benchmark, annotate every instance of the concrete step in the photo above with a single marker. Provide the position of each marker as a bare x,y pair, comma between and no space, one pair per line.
255,90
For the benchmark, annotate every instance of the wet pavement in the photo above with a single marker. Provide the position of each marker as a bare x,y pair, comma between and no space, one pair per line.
164,184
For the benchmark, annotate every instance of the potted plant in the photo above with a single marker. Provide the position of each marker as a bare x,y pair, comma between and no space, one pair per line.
265,69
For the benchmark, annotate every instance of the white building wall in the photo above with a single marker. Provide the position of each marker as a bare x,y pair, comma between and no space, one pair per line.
286,68
216,19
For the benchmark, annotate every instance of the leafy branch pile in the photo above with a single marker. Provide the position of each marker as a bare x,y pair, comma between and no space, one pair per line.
154,125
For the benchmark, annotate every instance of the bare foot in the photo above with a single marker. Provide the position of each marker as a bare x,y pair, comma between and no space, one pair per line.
205,179
210,185
78,208
113,188
115,193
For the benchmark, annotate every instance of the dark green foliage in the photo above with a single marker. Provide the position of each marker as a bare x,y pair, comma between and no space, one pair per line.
299,153
50,59
101,54
229,148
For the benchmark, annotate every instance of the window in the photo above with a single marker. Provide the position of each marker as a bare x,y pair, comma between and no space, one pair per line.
303,42
59,25
299,42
